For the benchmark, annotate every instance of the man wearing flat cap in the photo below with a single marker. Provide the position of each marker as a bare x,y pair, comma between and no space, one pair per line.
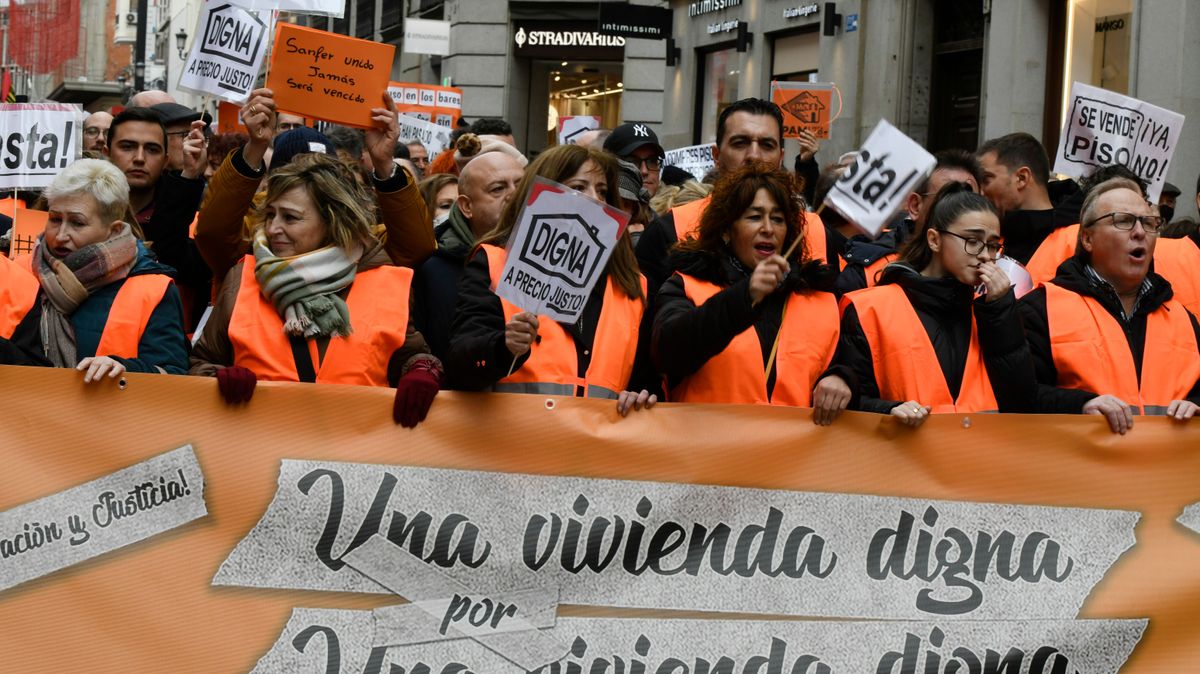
178,121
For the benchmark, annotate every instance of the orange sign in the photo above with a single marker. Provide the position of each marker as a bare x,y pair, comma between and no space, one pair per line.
152,606
28,225
328,76
229,118
806,106
439,105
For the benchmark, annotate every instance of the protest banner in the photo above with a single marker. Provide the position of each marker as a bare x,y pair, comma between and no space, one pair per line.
697,160
37,141
426,36
334,8
577,473
227,52
570,127
434,137
328,76
874,187
806,106
557,250
440,105
229,118
1103,128
28,225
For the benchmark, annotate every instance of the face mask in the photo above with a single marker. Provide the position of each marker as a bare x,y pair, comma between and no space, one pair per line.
1167,212
440,219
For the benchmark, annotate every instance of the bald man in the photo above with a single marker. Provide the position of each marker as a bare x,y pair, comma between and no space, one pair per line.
485,186
145,99
95,132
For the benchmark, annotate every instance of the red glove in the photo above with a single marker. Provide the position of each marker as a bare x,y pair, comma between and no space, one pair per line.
415,392
236,384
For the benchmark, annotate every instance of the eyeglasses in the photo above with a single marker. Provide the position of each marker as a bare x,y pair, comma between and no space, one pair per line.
652,163
1124,221
93,131
975,246
178,133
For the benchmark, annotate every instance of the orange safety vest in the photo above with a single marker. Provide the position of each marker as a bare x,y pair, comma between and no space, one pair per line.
807,339
1053,251
18,292
687,221
906,366
378,303
1091,353
873,270
553,366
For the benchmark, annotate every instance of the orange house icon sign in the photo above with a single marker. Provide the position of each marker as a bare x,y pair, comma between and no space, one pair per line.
806,107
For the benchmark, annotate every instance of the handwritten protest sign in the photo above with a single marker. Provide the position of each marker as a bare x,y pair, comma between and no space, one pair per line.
37,141
434,137
557,251
342,641
1105,128
570,127
328,76
697,160
334,8
227,52
872,189
125,507
806,106
28,225
440,105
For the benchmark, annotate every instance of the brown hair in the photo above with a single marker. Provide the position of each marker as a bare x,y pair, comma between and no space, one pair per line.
339,200
559,163
734,193
431,185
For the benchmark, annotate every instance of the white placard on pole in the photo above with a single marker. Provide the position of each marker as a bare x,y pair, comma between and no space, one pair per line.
38,141
695,159
227,52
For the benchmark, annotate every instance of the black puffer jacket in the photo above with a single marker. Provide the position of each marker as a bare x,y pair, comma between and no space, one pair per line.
687,336
1072,275
944,306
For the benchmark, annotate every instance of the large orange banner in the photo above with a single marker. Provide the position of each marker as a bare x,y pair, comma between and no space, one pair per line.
153,606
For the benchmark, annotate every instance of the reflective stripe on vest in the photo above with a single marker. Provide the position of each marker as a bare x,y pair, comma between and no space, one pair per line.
552,366
18,292
1052,252
1091,353
378,304
687,221
136,300
906,366
875,269
808,337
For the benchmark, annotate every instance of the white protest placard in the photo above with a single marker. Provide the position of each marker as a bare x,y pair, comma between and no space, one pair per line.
1104,128
426,36
872,189
570,128
434,137
558,249
37,141
695,159
334,8
227,52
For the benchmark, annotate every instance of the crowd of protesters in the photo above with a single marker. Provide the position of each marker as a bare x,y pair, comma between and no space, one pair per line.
353,257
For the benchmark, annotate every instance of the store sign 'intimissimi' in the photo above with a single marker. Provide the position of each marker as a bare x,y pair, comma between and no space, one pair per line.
700,7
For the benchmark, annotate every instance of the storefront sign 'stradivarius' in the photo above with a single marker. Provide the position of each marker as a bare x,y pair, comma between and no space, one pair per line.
677,546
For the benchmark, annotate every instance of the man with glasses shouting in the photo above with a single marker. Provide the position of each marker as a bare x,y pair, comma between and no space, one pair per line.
1106,335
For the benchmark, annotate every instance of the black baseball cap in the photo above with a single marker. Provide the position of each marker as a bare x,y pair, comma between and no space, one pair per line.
628,137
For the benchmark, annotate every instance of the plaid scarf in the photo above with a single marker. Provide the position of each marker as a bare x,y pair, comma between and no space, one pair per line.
304,288
68,282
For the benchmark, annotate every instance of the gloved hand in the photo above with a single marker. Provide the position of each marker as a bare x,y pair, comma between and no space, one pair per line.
415,392
236,384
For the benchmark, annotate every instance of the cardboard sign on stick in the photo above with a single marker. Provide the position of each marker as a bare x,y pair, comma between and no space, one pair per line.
806,106
434,137
695,159
1104,128
227,52
328,76
558,250
872,189
570,128
37,141
440,105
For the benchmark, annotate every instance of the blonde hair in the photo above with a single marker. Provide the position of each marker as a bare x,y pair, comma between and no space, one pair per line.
342,204
97,179
670,196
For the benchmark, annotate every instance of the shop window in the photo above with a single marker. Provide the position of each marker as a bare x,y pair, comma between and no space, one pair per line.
718,89
582,89
1097,45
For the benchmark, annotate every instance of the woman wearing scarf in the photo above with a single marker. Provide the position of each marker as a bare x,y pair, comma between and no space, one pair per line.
737,322
103,306
318,300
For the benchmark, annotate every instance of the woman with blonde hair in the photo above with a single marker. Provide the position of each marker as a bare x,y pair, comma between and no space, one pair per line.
317,300
496,345
102,306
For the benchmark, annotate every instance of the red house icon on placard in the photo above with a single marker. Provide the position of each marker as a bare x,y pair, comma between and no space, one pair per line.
806,107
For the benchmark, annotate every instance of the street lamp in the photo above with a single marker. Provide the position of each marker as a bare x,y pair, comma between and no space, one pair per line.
181,41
